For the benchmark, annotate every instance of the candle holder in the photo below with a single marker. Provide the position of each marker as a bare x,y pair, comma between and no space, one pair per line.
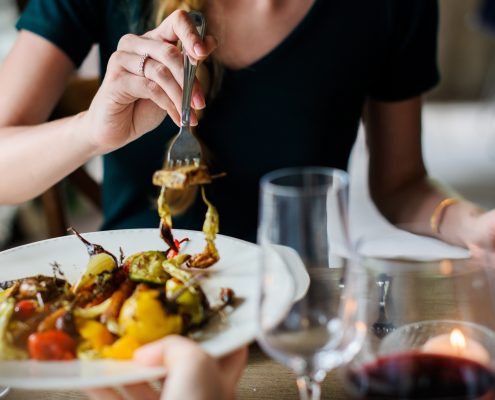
457,339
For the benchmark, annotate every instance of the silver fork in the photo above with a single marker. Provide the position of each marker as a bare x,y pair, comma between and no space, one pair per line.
185,148
383,326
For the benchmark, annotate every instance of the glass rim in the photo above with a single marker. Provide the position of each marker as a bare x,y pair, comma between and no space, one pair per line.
267,185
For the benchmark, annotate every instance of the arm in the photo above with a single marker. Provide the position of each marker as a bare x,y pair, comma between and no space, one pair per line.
32,156
130,102
398,180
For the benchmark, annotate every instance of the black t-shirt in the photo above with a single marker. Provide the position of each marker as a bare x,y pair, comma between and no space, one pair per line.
298,105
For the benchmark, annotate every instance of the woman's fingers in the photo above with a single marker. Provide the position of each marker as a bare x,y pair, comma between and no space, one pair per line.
179,26
167,55
131,86
139,391
163,52
154,71
103,394
231,368
166,351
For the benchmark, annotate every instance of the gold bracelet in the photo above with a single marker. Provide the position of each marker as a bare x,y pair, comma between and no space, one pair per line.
436,216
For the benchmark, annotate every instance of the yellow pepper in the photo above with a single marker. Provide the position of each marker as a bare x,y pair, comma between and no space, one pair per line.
143,318
189,301
122,349
96,334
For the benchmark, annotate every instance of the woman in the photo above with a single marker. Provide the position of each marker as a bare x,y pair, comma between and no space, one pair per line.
297,76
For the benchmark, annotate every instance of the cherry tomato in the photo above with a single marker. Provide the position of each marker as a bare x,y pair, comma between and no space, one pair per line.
51,345
24,309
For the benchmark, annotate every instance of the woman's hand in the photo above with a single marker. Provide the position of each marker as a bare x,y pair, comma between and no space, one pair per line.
480,235
133,100
191,373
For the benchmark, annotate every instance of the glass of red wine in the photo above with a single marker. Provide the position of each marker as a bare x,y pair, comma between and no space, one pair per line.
310,316
440,341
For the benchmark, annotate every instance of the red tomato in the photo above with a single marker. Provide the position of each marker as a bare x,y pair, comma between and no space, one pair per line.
51,345
24,309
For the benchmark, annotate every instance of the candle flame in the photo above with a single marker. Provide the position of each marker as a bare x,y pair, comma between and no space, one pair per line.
457,339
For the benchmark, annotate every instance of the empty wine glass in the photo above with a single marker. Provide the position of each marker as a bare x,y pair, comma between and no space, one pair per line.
309,320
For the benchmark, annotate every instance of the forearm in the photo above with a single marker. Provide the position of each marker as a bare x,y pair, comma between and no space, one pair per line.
413,206
33,158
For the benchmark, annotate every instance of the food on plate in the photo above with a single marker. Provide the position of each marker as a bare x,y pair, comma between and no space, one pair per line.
117,304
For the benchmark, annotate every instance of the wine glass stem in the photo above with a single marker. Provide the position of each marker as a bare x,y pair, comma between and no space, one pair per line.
309,389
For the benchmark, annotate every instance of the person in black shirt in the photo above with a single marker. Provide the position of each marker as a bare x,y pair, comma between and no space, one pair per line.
297,77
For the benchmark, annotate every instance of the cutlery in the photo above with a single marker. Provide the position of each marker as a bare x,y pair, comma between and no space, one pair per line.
185,148
383,326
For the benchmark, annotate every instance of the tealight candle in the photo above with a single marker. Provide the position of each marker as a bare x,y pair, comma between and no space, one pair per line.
455,344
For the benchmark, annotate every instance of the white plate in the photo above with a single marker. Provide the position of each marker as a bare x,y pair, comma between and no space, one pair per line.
237,269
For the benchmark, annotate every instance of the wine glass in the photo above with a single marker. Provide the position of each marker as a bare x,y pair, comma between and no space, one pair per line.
441,340
309,311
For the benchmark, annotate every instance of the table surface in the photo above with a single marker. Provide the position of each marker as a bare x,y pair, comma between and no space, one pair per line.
262,379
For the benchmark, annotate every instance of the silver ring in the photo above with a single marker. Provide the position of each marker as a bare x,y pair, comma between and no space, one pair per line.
142,60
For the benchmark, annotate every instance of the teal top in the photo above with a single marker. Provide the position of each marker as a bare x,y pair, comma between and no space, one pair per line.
298,105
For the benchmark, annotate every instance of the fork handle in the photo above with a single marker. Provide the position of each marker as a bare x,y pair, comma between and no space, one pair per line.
190,70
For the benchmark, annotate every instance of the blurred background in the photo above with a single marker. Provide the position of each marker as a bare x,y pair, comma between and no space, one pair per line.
458,126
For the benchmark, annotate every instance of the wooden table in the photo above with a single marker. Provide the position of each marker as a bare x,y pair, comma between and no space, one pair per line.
262,379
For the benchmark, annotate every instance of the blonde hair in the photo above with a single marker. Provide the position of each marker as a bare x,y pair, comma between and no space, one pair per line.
209,75
163,8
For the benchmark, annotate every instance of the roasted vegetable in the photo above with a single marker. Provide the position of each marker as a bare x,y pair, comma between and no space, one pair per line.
210,255
25,309
190,302
97,265
95,335
7,350
172,267
94,311
111,314
100,261
51,345
166,221
182,177
122,349
43,288
48,324
147,267
144,318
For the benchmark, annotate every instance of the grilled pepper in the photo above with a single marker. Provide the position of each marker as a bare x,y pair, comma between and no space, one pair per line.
147,267
144,318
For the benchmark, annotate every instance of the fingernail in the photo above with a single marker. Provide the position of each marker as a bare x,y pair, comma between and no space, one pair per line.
194,118
199,102
199,50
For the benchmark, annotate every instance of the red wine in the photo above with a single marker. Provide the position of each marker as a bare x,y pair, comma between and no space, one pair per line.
422,376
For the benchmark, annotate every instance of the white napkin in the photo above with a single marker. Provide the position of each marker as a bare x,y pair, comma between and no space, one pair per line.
371,235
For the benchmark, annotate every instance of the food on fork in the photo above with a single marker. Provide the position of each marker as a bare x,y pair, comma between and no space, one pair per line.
182,177
179,179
